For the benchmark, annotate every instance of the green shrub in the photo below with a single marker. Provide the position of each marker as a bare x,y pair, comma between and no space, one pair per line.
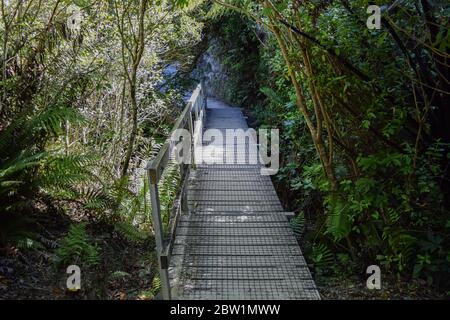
76,248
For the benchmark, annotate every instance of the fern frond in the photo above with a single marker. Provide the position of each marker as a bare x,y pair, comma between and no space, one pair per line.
130,232
52,120
322,257
156,285
298,224
338,223
20,163
272,95
76,248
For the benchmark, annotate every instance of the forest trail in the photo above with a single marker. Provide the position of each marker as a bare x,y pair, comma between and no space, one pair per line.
236,241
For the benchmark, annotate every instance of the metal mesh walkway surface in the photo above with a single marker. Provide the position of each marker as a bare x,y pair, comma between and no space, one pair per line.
235,242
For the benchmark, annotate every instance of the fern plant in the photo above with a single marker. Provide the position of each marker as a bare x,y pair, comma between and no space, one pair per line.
338,222
15,231
25,166
130,232
322,258
76,248
169,187
298,224
65,175
156,285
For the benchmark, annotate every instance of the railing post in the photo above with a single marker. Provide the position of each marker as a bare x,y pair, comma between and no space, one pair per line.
184,173
191,131
204,95
184,199
159,236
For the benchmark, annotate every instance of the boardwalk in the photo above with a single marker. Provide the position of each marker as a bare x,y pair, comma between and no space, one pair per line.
236,241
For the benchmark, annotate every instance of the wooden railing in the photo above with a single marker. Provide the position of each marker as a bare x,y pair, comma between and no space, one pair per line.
191,119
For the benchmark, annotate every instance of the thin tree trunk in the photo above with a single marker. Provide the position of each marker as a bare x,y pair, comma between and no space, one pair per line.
138,50
317,139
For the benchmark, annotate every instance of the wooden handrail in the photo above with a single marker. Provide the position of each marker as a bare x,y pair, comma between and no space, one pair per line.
191,118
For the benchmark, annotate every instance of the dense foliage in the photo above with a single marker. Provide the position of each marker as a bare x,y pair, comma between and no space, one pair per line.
363,114
86,100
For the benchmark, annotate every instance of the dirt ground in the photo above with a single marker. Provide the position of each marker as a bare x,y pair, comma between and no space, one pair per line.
354,288
126,269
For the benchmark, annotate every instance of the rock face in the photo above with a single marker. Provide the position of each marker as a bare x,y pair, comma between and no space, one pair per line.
210,70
